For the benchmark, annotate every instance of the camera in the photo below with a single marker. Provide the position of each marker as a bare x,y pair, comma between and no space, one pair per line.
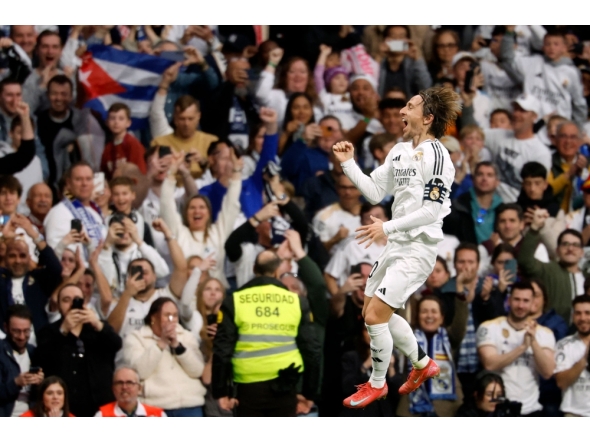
506,408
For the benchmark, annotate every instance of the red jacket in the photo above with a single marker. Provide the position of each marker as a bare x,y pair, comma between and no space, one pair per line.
108,410
129,150
30,414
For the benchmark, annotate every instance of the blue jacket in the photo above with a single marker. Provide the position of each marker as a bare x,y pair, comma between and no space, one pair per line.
9,370
555,323
301,162
37,288
252,187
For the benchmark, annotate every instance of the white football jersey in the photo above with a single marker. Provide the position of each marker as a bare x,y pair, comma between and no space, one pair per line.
414,175
576,398
521,378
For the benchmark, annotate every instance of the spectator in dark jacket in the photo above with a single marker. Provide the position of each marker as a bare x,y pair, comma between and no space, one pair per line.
230,112
21,285
80,349
473,216
536,191
320,191
16,378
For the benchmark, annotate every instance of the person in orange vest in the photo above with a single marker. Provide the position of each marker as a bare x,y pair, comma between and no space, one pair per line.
126,389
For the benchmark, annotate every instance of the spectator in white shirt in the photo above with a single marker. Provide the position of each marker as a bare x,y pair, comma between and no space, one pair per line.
572,371
336,222
519,349
80,183
512,149
140,290
122,245
39,201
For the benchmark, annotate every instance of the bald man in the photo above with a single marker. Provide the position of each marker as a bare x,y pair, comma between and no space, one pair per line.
20,284
39,201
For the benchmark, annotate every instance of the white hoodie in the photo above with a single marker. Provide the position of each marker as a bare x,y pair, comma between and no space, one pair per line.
556,84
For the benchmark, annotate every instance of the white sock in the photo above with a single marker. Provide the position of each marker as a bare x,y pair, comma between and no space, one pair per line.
405,341
381,349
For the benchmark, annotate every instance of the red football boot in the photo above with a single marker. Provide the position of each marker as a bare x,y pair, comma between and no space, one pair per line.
365,395
418,376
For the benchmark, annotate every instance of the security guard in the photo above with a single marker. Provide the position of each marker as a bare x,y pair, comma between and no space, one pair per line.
265,341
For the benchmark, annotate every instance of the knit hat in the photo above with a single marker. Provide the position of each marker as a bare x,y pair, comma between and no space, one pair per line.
333,72
366,77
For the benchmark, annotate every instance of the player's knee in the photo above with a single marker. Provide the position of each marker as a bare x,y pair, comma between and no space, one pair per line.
371,317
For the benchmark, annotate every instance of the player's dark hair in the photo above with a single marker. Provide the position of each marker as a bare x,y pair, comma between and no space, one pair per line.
391,104
501,111
509,206
444,106
521,285
502,248
406,28
582,299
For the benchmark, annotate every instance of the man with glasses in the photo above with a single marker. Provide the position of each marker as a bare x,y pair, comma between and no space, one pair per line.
16,374
569,166
473,216
563,278
126,388
80,349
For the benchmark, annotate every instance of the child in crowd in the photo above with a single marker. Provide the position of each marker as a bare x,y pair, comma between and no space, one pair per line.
123,147
332,86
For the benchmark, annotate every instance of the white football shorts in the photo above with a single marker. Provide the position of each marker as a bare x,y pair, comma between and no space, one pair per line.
401,269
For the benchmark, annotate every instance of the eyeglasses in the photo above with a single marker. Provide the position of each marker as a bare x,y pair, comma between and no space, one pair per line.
481,216
124,383
81,349
446,45
287,274
570,244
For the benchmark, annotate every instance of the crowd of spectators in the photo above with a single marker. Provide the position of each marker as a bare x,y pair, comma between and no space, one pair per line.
120,241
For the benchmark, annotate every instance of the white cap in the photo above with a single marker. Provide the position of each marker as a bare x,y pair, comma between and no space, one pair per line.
450,143
528,102
462,55
366,77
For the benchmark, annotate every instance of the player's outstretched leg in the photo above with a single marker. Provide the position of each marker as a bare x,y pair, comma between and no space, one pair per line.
423,367
381,349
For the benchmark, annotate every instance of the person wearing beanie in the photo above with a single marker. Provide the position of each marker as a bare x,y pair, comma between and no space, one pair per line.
332,87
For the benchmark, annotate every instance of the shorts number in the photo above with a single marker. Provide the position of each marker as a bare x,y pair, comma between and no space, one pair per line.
373,269
266,312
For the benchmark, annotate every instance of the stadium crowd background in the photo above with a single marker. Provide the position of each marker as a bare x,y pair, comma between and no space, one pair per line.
246,116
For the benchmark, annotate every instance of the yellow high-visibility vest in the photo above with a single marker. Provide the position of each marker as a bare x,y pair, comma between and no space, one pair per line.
267,318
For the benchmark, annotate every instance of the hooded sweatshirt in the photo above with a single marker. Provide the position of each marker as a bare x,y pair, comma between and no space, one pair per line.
557,84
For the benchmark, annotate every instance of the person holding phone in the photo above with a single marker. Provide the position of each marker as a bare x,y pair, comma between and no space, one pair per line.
402,65
16,373
80,349
168,360
140,289
469,80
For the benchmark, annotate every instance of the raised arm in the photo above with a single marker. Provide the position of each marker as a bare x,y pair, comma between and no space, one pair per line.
179,274
158,123
371,186
104,289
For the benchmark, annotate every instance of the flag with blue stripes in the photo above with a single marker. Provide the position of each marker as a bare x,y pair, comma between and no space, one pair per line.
110,75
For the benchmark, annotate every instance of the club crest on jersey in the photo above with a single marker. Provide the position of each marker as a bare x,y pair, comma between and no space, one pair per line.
417,157
435,191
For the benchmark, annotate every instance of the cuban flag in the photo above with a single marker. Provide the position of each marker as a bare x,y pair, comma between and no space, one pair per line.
111,75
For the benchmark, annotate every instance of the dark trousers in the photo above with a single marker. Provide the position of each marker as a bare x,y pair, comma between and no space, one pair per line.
258,399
